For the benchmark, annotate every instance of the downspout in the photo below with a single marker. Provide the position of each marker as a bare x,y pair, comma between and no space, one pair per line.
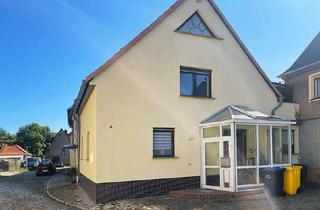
77,128
78,155
273,111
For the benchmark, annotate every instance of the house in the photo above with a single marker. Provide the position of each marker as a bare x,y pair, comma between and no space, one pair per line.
184,105
302,79
55,151
11,157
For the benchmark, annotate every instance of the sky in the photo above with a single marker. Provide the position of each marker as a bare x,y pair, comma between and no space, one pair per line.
48,47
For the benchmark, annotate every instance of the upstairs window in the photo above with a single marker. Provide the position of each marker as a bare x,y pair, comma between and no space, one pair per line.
314,86
317,88
195,25
195,82
163,142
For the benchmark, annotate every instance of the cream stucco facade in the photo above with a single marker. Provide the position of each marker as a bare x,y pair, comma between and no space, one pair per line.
88,141
141,90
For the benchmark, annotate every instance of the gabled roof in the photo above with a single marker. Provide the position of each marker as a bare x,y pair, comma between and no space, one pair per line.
242,113
154,25
159,20
308,60
61,131
13,151
55,139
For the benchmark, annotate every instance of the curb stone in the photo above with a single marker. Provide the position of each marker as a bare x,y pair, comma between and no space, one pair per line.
59,200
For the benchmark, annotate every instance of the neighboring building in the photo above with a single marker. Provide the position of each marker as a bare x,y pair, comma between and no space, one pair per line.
55,151
303,78
183,105
11,157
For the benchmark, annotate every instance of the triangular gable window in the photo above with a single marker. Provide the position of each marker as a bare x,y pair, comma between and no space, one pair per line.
195,25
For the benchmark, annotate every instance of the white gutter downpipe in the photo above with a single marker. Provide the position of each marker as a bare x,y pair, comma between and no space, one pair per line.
273,111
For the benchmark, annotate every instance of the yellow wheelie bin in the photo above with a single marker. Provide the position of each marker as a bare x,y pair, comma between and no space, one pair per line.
292,177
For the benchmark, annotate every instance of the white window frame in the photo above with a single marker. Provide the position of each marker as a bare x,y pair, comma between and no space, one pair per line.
312,78
234,168
219,139
257,166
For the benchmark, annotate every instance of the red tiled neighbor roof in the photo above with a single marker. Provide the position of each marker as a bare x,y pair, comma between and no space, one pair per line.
13,150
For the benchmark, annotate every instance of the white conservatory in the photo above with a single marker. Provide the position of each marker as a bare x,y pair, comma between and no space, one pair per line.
237,143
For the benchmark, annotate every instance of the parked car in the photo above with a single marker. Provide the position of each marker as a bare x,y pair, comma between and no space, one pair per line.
45,167
57,162
32,163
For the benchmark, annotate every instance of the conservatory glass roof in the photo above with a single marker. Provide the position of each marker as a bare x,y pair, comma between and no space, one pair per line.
242,113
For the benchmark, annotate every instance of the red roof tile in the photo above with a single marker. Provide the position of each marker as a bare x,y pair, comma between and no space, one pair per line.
13,150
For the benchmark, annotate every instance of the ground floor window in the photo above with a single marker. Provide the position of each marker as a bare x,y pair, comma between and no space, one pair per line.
163,142
247,176
213,176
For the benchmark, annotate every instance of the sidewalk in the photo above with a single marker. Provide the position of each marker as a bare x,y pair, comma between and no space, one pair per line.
61,188
10,173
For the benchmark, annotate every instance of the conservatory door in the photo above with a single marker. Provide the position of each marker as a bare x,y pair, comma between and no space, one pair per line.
217,164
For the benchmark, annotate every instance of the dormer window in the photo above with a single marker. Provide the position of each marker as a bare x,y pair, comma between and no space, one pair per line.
195,25
314,86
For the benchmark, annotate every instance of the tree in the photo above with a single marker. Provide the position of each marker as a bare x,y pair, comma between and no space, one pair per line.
6,137
35,138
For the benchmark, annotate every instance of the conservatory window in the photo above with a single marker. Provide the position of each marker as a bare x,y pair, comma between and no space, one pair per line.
246,145
280,145
264,145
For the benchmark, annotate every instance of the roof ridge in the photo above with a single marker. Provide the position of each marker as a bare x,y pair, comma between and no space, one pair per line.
299,69
22,149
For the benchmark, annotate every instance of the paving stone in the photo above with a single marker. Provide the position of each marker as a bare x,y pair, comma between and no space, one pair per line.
26,191
308,199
